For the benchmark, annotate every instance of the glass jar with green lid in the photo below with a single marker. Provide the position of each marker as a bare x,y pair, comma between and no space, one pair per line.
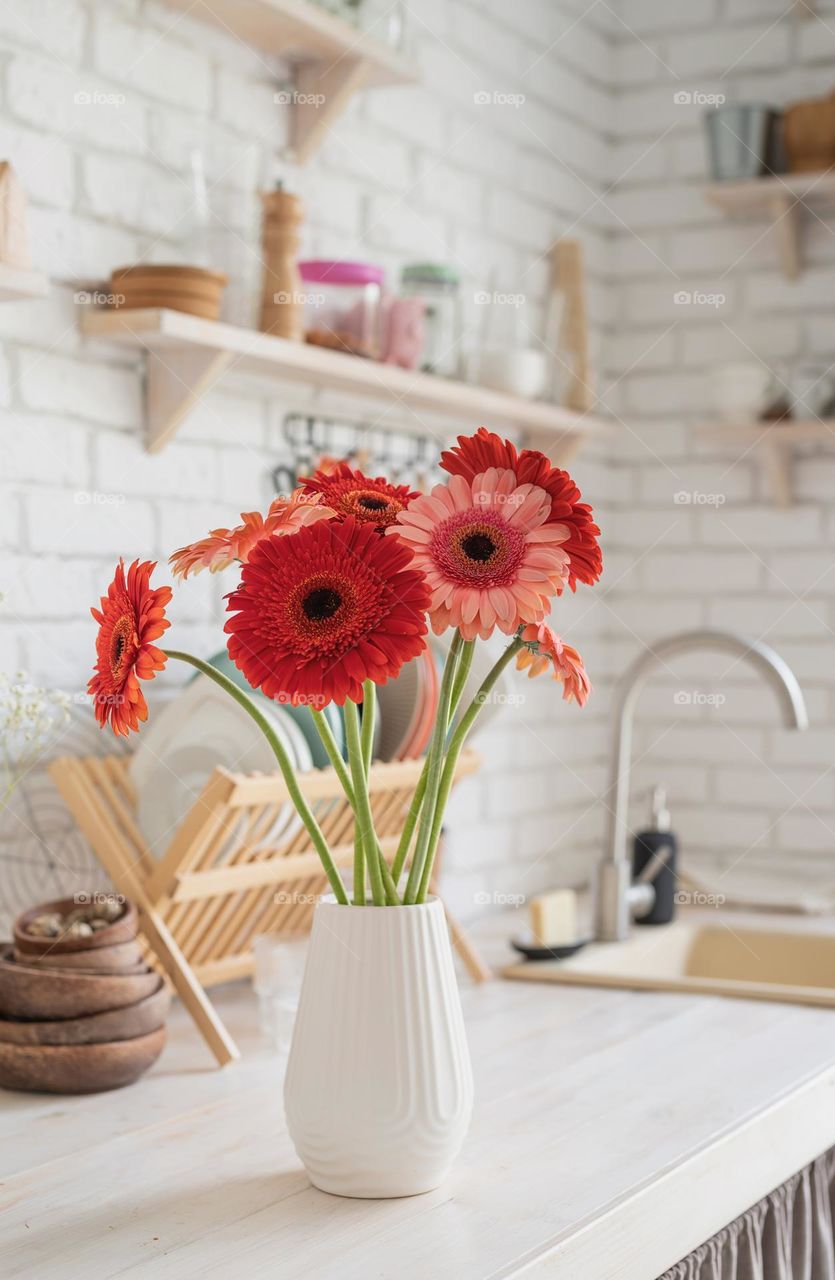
437,285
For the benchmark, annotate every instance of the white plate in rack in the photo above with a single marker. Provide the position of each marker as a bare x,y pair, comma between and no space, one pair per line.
201,728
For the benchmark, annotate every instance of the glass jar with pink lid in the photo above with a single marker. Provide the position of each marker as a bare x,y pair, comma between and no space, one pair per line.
342,305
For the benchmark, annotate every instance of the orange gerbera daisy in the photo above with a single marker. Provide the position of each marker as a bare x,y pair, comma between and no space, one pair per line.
224,546
350,493
131,616
317,614
487,551
474,454
544,649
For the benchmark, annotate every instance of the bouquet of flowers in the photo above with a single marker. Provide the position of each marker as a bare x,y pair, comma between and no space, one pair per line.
338,586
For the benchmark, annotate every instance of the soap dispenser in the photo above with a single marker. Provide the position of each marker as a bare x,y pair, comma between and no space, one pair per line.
654,860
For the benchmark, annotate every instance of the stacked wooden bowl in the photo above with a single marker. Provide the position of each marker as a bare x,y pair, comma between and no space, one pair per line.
80,1011
193,289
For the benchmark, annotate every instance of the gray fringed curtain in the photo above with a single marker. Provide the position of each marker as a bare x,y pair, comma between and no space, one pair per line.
787,1236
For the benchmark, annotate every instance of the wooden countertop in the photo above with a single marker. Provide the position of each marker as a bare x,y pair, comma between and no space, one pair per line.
613,1132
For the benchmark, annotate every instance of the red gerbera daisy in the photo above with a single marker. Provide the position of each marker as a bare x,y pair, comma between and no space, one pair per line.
223,547
350,493
474,454
132,614
318,613
544,649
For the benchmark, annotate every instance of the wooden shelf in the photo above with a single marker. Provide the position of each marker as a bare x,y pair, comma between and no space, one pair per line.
187,356
775,442
333,59
781,198
16,284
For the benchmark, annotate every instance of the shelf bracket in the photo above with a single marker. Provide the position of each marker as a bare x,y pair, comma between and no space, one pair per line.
323,91
175,383
786,212
778,463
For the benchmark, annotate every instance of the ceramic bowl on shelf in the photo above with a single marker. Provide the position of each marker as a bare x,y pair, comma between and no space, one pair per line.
517,371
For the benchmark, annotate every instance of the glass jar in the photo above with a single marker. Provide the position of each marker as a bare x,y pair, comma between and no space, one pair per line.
437,285
342,306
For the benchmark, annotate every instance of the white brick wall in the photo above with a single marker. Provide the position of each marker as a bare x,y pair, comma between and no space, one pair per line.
101,104
741,786
598,142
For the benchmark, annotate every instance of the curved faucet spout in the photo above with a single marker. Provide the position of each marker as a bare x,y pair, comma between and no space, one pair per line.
613,908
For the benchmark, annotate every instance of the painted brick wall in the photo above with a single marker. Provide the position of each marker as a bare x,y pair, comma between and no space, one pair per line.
696,533
101,105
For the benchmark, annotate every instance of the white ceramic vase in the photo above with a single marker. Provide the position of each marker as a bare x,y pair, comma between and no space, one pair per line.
378,1090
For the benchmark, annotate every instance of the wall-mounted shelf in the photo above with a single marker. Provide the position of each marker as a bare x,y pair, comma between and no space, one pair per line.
15,284
781,198
333,59
188,355
775,442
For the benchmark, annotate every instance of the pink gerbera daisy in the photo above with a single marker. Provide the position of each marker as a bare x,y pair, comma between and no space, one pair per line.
487,552
544,649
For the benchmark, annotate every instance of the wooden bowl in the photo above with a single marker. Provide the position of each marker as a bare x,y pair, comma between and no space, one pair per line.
78,1068
123,957
195,290
809,135
122,930
171,272
29,992
98,1028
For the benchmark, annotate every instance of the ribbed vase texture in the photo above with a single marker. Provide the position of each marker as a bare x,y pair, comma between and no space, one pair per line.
379,1090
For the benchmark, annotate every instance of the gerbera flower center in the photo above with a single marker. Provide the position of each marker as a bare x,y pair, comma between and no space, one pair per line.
321,604
371,502
121,644
478,546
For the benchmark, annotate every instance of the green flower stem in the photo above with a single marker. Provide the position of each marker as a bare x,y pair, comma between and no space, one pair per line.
359,865
364,819
369,709
436,751
334,755
341,770
302,807
461,677
420,790
389,886
458,740
410,823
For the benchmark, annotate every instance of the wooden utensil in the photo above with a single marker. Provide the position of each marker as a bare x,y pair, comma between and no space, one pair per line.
14,212
281,308
569,279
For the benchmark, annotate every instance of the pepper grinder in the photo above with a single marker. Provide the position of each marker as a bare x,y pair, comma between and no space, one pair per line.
281,306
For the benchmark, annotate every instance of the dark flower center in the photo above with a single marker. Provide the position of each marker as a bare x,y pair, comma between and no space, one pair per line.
372,504
119,641
478,546
321,604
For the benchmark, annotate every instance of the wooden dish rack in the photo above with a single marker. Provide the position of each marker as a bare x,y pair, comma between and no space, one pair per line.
240,864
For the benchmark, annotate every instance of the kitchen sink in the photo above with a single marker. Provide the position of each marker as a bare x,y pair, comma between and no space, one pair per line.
717,958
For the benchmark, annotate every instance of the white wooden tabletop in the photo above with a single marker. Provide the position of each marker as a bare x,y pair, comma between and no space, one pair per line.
612,1133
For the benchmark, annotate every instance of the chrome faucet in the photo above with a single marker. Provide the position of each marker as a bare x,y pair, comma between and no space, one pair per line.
618,900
